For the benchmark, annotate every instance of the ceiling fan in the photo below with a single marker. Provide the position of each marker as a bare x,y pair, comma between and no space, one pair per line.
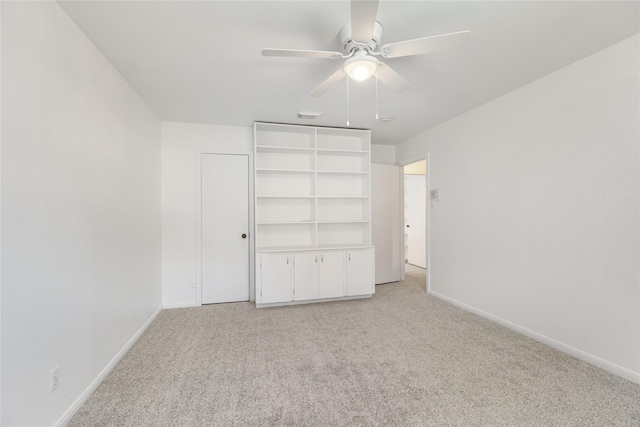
361,48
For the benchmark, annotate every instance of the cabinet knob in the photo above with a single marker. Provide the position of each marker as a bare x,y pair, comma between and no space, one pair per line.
244,235
407,225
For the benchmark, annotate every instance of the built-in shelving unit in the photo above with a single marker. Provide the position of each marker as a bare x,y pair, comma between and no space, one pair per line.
312,189
312,186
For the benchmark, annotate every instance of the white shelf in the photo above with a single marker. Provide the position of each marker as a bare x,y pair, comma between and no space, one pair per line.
284,222
311,248
295,163
326,172
286,197
301,171
341,152
281,149
354,221
343,197
346,246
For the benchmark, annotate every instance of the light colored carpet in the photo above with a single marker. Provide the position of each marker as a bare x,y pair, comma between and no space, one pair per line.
399,359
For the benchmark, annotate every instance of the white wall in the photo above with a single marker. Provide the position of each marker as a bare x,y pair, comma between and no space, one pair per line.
538,223
0,215
386,222
81,218
182,144
383,154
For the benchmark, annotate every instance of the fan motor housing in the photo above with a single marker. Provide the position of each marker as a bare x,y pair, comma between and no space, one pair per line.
348,44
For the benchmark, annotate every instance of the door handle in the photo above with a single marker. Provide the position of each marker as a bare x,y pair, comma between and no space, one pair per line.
244,235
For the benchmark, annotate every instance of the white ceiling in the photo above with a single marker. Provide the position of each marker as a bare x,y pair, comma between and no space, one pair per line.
201,62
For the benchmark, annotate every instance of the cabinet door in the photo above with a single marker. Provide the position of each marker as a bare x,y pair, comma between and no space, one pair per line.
276,278
360,279
306,276
331,274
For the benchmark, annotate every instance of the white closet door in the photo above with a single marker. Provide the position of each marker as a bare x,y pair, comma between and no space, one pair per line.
416,223
225,228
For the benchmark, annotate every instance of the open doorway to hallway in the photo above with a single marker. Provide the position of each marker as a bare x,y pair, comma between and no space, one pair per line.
415,220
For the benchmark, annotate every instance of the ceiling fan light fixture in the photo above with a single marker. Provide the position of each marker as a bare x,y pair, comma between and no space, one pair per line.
361,67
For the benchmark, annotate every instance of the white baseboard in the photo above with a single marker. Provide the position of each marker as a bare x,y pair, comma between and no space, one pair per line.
94,385
179,305
578,354
312,301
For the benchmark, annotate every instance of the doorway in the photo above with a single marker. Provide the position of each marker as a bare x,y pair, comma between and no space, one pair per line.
415,220
225,228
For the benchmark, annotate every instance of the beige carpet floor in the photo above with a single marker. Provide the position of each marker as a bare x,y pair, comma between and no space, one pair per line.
399,359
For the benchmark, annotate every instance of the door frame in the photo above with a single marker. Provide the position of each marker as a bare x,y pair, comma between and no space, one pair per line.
427,199
198,228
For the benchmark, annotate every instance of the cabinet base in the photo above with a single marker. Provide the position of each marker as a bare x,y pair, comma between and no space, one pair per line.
312,301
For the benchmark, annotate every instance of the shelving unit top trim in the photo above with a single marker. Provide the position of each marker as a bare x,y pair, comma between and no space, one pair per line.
282,127
333,131
327,130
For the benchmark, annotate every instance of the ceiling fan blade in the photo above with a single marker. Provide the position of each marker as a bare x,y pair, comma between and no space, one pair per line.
390,78
322,54
426,45
328,84
363,19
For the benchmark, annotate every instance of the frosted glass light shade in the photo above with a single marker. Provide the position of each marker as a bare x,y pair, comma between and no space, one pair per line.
360,68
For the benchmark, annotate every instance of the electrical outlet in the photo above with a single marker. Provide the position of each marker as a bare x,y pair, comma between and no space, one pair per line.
55,379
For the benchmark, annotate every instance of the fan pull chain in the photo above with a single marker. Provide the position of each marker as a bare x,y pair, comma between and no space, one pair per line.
376,76
348,102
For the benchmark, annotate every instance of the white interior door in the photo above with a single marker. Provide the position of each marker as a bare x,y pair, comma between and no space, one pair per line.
415,214
225,228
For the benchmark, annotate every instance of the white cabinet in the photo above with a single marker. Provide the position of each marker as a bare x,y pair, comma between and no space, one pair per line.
331,274
312,202
306,276
276,278
319,275
360,271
